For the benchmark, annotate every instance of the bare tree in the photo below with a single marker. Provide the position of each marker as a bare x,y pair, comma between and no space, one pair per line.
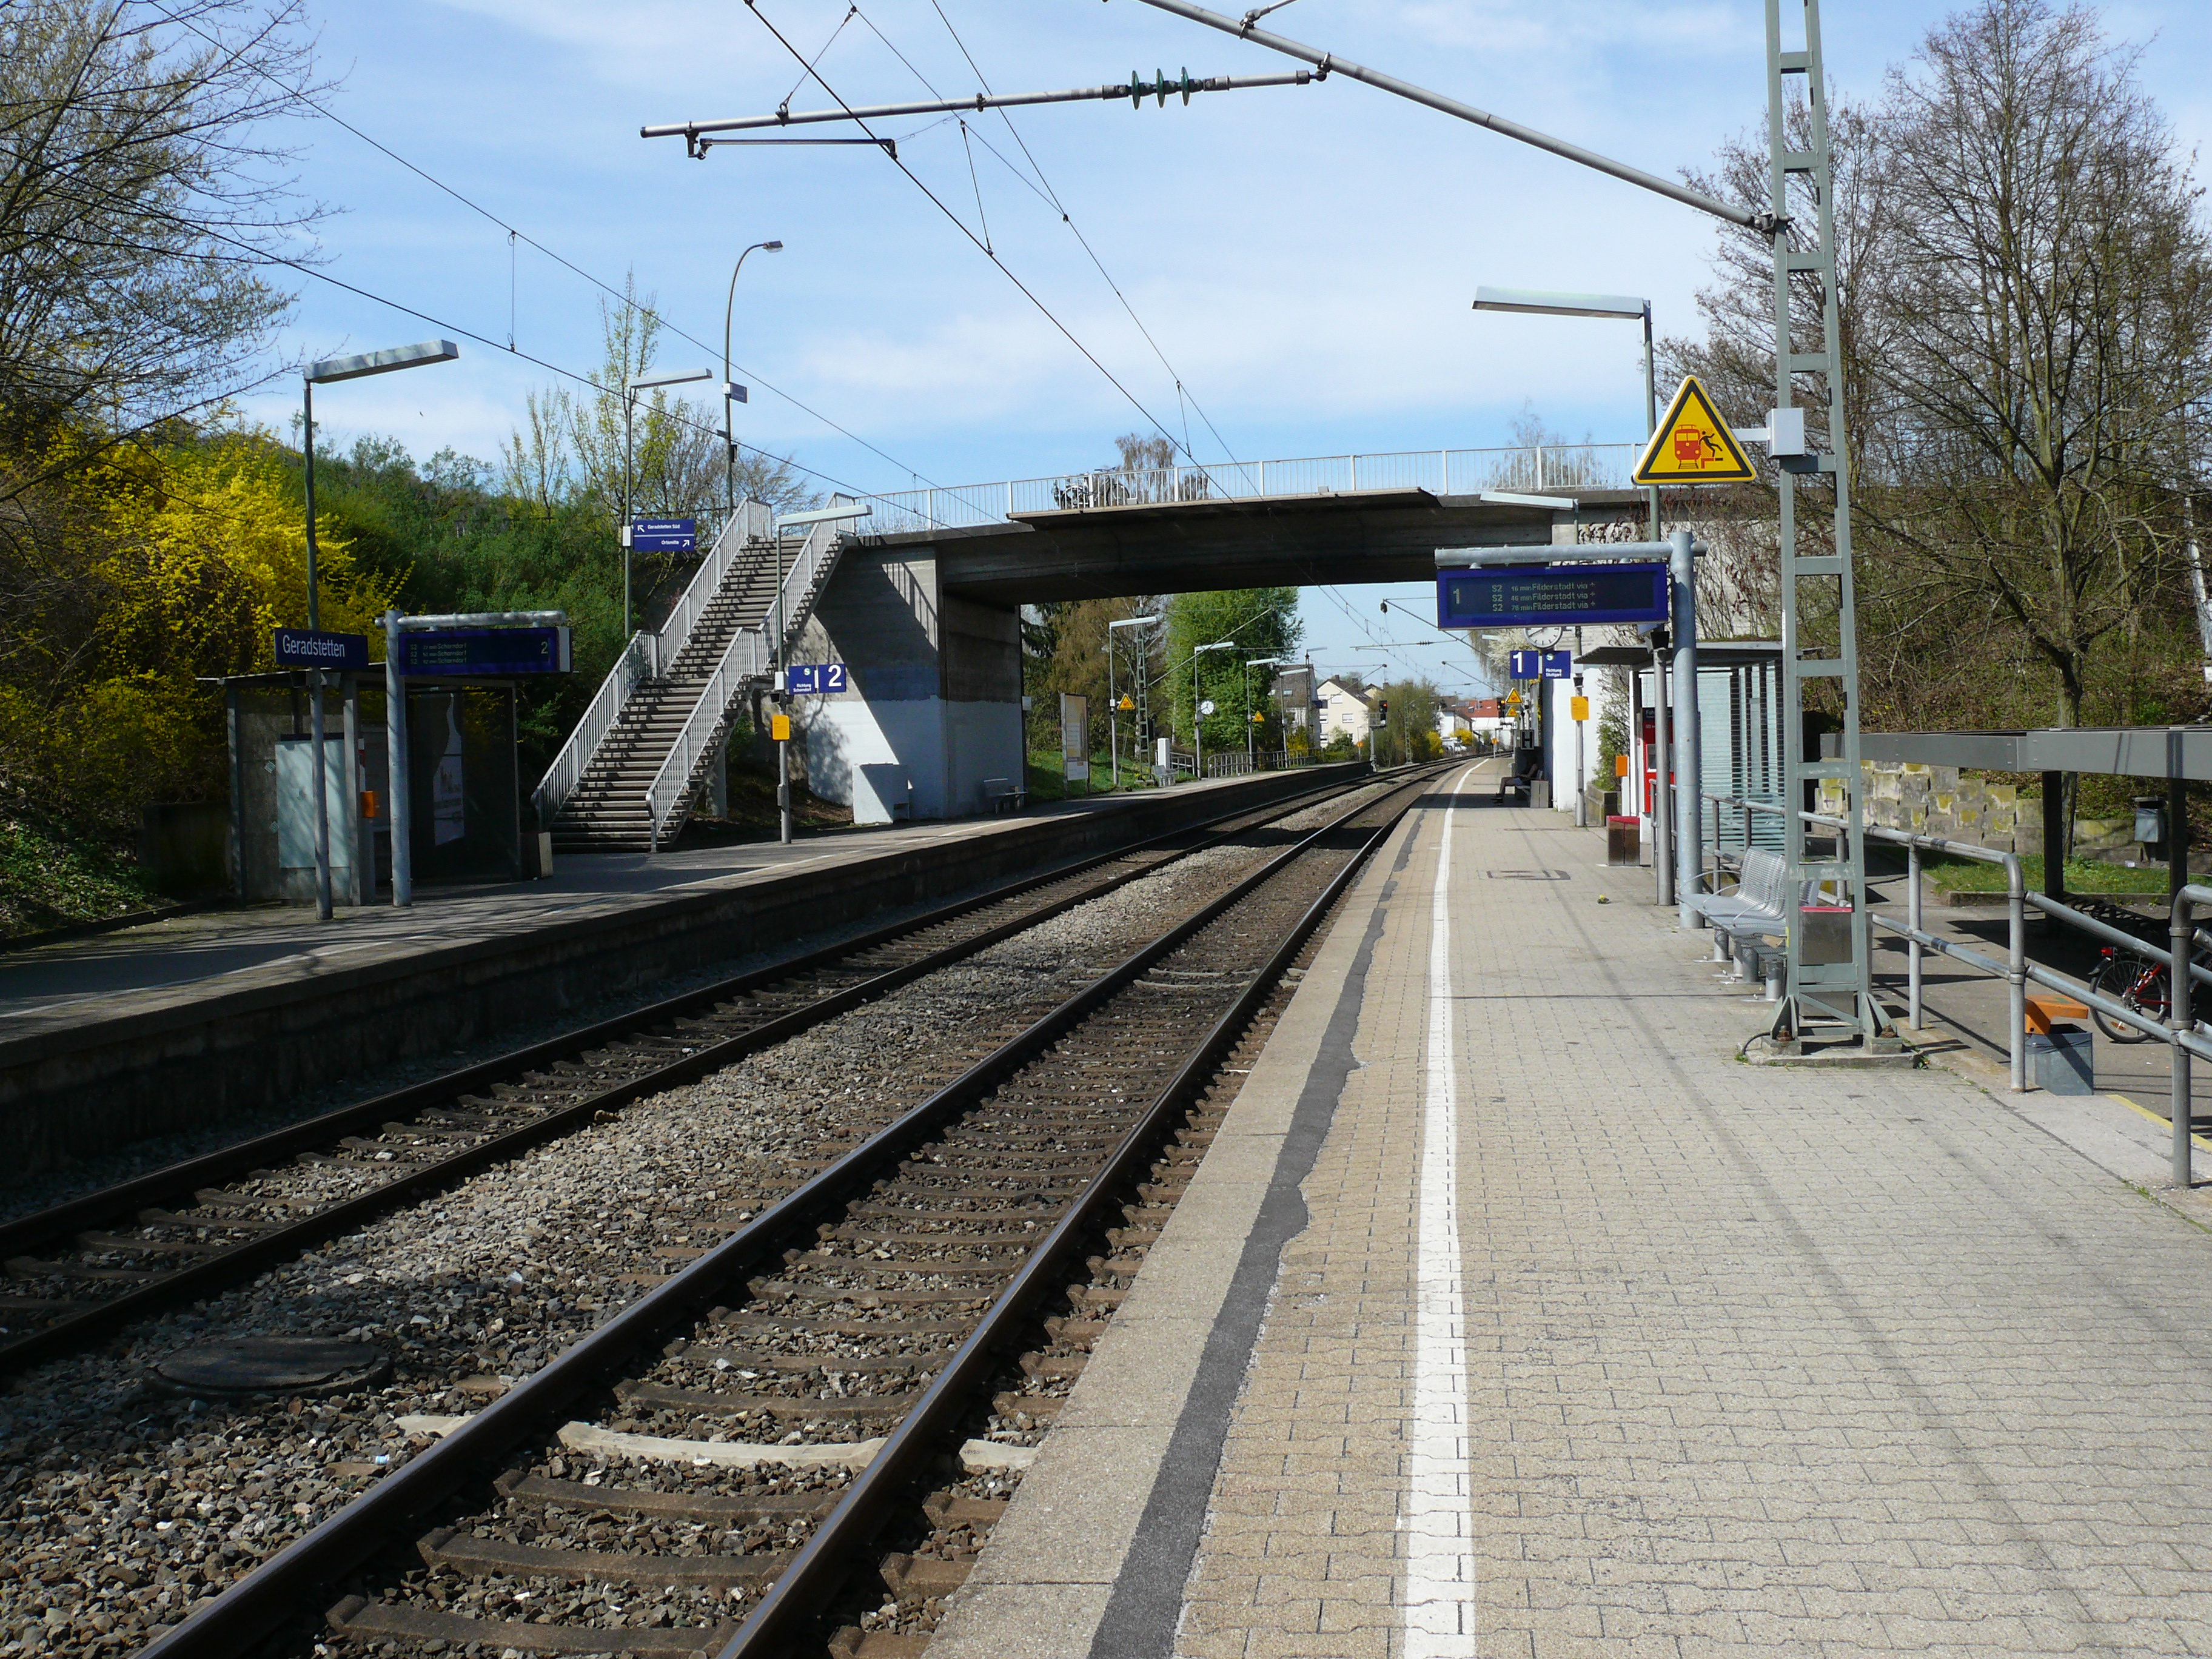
2025,295
142,203
571,448
2051,293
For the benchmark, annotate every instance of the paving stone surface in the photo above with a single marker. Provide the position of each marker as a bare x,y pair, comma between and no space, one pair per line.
1758,1363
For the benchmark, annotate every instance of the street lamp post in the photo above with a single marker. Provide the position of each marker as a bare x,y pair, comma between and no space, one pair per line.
1113,703
328,371
733,394
1197,701
1533,302
631,388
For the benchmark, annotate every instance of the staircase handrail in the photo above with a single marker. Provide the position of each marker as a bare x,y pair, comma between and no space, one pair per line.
795,599
631,669
750,654
745,657
753,521
648,656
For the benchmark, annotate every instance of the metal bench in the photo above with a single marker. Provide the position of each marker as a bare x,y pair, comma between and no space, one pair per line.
1004,795
1759,908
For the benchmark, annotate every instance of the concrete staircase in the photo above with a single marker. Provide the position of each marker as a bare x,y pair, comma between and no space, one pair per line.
675,693
607,812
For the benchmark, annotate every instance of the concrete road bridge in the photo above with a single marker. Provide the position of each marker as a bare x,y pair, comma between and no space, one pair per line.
921,598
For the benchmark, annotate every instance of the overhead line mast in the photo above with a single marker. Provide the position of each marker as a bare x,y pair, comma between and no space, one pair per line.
1831,985
1136,89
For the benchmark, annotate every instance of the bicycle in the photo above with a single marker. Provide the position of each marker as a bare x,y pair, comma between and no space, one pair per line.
2135,982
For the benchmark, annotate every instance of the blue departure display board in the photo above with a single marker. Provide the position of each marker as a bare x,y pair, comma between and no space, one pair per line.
1520,596
491,652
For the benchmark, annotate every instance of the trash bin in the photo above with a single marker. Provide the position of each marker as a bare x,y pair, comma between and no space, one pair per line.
2062,1060
1623,841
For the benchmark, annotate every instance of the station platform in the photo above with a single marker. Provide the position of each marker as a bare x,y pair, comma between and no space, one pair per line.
148,1030
1511,1314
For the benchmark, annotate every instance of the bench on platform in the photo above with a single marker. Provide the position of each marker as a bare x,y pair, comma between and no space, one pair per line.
1004,795
1759,908
2045,1009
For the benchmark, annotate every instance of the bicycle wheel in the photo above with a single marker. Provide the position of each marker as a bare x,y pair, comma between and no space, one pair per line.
2117,979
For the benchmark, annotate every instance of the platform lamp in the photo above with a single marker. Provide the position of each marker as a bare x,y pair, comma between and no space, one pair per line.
733,394
1535,302
1198,720
1251,726
329,372
631,388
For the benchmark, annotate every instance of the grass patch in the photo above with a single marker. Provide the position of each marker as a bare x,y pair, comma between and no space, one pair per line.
1956,875
1048,783
53,875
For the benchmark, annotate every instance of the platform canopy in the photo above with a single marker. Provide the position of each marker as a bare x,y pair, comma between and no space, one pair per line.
2127,751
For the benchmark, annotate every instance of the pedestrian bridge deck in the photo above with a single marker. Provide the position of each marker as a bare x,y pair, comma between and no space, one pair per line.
1511,1314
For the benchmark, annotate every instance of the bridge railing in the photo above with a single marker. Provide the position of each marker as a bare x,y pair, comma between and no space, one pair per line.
1528,468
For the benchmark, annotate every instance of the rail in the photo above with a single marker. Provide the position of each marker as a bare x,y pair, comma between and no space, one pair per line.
232,1620
646,657
631,669
750,655
2184,1035
752,522
1524,467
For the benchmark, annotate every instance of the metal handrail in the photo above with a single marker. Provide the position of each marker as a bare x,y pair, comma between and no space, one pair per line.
1439,471
2184,1035
647,656
751,655
753,521
631,669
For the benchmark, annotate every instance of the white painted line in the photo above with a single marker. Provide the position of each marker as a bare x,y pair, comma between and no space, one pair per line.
1438,1516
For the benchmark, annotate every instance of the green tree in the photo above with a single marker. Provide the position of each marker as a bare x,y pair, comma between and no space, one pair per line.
1257,622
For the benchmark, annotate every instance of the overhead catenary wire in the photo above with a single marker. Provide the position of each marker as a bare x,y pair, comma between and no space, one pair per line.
1067,219
936,201
697,138
627,300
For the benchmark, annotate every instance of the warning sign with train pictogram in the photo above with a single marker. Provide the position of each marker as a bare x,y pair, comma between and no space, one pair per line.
1693,445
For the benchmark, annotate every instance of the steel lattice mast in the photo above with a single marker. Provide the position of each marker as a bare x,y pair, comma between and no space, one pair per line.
1837,991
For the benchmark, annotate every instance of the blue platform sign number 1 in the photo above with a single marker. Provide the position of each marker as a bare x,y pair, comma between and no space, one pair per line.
816,679
1543,666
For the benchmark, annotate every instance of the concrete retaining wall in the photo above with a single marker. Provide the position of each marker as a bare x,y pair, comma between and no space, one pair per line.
68,1093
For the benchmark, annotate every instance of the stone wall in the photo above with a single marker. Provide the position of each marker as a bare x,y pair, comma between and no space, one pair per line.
1936,801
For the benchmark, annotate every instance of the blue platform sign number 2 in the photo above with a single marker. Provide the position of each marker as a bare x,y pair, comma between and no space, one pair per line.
816,679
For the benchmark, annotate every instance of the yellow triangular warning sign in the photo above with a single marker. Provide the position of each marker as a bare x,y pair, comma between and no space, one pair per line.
1693,445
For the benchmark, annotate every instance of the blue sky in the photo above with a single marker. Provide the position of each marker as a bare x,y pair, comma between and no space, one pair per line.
1303,258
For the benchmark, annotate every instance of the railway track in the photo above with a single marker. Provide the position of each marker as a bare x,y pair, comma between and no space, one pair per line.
864,1366
78,1273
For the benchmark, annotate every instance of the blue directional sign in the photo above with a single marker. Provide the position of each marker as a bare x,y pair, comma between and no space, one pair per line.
664,535
1559,664
491,653
303,648
815,679
1528,596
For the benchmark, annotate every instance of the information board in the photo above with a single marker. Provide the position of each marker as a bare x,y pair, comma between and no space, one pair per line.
664,535
815,679
1521,596
486,652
